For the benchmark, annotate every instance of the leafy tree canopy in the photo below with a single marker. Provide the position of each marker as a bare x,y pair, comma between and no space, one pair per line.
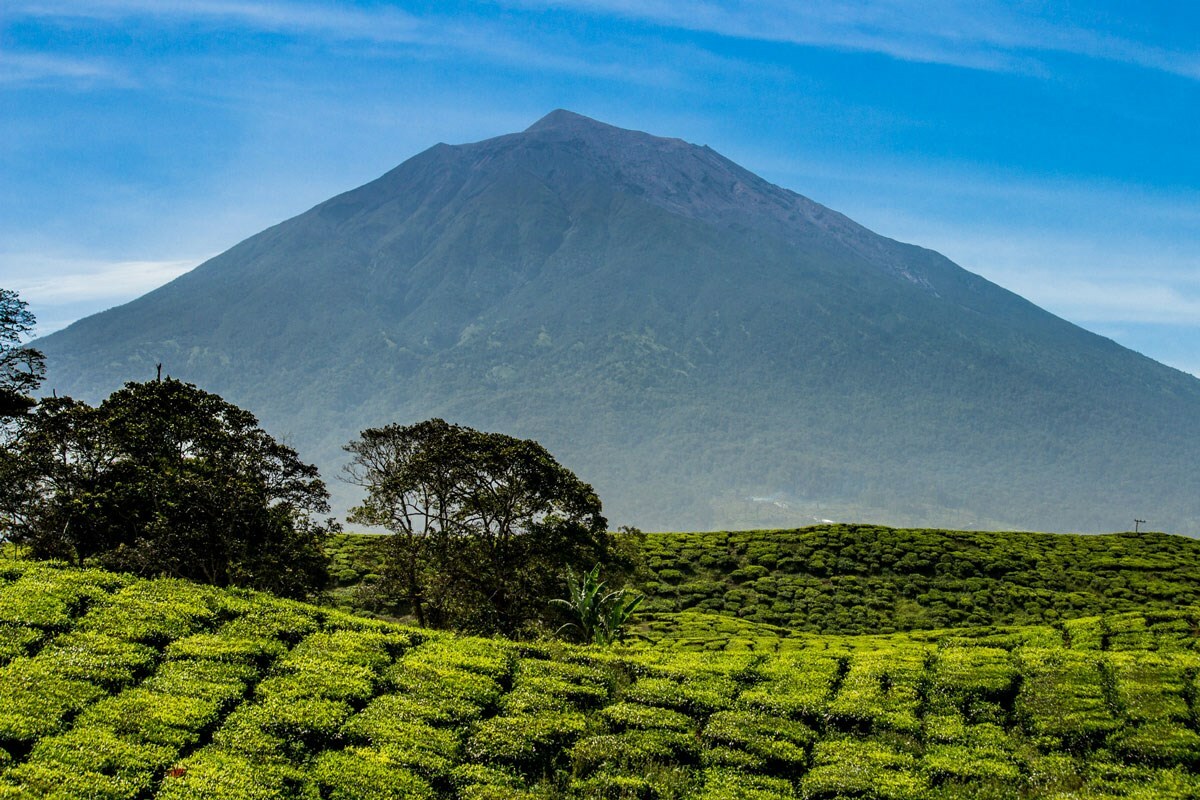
21,368
163,478
484,525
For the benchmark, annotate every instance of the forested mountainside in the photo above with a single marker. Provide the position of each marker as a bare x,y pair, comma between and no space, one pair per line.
707,349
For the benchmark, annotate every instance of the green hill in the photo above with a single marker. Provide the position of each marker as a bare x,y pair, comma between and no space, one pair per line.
113,687
873,579
869,579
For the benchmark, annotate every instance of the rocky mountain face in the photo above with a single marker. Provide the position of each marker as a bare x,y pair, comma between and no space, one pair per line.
706,348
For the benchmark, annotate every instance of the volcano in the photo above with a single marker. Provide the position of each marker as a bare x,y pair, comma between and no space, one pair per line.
707,349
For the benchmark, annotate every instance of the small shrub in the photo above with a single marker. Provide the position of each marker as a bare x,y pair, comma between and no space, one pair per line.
15,640
359,773
104,660
699,697
852,768
155,612
215,681
228,645
624,716
422,747
154,717
214,774
35,697
531,743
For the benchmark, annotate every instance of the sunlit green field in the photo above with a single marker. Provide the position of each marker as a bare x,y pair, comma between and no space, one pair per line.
112,687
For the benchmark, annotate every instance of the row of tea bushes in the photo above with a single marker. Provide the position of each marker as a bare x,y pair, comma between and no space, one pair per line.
130,690
872,579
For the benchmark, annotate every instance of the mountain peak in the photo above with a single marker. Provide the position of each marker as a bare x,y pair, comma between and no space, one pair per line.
560,118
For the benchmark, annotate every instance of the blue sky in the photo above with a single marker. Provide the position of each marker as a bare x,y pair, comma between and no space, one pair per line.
1052,147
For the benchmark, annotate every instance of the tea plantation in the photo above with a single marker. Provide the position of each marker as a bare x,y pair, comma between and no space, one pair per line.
872,579
114,687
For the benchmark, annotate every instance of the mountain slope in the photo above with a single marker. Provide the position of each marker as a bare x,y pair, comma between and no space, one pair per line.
683,334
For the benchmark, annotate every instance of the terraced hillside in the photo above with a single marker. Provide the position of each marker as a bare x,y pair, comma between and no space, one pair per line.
865,579
112,687
872,579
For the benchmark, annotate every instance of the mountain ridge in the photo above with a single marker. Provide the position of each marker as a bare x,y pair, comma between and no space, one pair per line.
679,331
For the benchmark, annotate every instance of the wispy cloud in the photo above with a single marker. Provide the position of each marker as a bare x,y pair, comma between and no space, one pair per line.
375,31
1091,300
55,281
984,35
34,68
331,21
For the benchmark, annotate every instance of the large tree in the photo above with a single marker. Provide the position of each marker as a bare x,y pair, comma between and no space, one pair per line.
163,478
484,526
21,368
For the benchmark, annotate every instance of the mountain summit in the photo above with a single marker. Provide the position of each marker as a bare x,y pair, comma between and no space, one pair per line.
706,348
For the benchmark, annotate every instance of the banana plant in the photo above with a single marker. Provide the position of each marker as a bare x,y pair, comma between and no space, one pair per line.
597,617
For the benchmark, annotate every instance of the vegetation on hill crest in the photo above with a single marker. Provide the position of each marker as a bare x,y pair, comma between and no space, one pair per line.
872,579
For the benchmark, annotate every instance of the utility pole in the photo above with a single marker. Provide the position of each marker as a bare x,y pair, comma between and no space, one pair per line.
1137,525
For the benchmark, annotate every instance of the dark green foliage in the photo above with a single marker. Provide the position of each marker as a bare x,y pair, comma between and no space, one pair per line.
595,616
481,523
899,579
165,479
22,369
357,564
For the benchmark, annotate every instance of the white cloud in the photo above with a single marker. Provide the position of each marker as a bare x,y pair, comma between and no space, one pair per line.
25,68
58,281
1118,276
1090,300
983,35
336,21
376,32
